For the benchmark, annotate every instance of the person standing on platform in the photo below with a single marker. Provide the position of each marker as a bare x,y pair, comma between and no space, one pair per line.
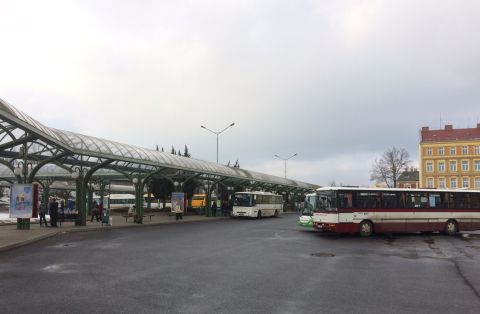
201,209
95,212
70,207
178,212
62,209
53,213
41,212
214,209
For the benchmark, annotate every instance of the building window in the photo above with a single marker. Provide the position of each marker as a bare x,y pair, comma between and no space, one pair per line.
464,165
453,166
440,150
453,183
429,151
441,183
477,165
477,182
429,166
430,183
452,150
441,166
465,182
477,149
465,150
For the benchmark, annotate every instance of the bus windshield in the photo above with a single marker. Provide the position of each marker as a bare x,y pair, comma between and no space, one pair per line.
244,200
326,201
309,205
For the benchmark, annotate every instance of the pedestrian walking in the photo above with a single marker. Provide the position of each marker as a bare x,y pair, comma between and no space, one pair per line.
214,209
42,209
178,211
53,213
201,209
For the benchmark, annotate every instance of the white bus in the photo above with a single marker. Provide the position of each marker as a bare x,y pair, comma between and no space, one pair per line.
342,210
257,204
306,217
120,200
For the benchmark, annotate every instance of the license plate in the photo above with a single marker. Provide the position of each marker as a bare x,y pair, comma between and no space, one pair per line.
304,225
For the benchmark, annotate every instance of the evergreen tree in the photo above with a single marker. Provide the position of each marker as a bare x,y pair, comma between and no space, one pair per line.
173,151
228,165
157,147
236,164
186,154
162,148
179,153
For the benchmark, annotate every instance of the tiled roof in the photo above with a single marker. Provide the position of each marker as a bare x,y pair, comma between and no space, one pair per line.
409,176
451,135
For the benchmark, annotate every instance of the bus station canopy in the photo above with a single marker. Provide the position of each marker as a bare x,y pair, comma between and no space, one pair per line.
60,153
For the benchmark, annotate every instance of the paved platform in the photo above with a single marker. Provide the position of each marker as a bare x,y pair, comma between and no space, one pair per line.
11,238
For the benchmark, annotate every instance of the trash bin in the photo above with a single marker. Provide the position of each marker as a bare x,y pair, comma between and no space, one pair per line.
106,217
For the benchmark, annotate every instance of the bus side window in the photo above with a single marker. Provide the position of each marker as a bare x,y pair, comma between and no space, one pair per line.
475,200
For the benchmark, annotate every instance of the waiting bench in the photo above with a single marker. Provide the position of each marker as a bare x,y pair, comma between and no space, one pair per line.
146,215
60,220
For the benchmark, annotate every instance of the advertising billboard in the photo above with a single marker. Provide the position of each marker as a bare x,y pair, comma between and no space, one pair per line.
179,200
23,201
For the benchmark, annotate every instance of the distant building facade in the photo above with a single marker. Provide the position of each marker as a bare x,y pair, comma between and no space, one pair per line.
409,180
450,158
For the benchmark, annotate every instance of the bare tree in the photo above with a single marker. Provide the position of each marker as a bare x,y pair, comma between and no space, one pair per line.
332,183
394,161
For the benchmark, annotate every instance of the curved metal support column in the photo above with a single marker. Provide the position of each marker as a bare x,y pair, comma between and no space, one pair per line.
11,167
17,142
82,212
34,171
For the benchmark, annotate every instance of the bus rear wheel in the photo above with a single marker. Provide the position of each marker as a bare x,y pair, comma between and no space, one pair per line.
450,227
365,229
259,215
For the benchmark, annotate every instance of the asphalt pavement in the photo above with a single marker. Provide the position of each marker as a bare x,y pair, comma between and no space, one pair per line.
269,265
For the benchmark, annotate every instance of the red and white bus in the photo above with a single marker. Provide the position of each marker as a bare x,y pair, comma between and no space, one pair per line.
369,210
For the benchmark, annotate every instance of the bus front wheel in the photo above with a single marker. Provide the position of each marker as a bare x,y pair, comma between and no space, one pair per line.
365,229
450,227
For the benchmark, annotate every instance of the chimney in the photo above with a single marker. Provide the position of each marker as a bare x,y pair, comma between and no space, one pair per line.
478,125
424,128
449,127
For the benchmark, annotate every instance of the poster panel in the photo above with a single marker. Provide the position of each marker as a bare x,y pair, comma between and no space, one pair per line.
179,200
23,203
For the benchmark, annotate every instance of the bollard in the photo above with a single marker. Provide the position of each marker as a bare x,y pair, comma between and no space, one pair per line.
26,224
19,223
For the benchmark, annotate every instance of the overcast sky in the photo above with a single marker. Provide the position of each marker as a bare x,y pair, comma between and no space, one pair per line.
336,82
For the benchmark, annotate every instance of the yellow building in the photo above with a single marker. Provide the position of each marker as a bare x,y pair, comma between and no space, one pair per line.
450,158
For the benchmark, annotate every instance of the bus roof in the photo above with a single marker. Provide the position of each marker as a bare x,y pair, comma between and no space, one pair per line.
257,193
395,190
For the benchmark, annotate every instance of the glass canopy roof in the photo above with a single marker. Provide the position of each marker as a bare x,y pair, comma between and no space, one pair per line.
92,146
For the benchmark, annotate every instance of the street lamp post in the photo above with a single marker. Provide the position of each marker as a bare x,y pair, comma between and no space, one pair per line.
285,163
217,133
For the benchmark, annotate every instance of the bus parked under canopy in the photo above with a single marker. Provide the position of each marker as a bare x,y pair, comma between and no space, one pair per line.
257,204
